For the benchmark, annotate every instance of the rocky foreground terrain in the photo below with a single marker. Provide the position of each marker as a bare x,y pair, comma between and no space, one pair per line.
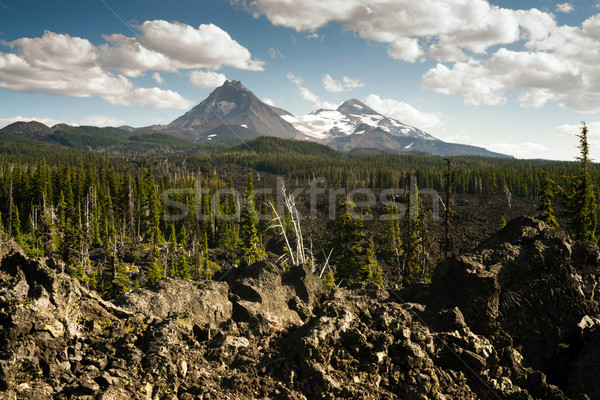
517,319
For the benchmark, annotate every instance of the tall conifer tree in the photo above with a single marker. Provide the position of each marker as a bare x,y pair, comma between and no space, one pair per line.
546,197
582,204
252,249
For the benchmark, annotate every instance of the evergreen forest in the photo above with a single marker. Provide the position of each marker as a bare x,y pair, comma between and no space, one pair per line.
120,211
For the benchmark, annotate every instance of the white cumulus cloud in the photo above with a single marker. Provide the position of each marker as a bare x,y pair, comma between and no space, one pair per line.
274,53
158,79
564,8
129,57
570,130
169,46
207,46
159,98
519,150
99,120
347,84
404,112
207,79
309,96
58,64
540,76
404,25
552,63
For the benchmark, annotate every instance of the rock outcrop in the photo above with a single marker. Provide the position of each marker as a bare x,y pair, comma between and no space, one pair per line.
517,319
533,289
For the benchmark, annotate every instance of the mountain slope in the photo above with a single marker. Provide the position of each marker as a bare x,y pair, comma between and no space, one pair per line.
354,125
31,130
326,125
231,105
367,137
273,145
28,137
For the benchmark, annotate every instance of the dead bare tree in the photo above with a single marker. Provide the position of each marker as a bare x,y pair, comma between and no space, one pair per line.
297,256
508,195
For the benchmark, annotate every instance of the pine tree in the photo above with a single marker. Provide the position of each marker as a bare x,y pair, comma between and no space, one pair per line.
354,254
29,226
582,205
16,226
206,222
183,237
372,270
173,248
251,249
155,213
183,267
121,282
410,237
62,207
95,222
70,243
415,241
546,196
393,234
156,271
196,264
9,224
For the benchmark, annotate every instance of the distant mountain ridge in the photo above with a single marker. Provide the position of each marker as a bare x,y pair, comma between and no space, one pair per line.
376,138
31,130
232,114
85,137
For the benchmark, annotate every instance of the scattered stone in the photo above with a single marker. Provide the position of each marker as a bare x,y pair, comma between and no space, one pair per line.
517,319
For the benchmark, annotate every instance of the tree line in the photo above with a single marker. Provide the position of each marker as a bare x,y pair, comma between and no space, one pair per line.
103,216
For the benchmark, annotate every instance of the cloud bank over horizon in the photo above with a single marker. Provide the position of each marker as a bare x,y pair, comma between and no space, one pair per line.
63,65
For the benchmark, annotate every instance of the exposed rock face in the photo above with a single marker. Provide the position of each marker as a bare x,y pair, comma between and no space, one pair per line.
270,294
532,287
203,303
236,108
518,319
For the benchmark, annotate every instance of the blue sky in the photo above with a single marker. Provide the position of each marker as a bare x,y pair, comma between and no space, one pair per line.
513,76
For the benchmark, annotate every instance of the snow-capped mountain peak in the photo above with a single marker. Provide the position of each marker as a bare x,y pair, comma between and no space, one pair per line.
327,125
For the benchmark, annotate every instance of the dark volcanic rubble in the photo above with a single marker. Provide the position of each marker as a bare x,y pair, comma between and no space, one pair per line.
517,319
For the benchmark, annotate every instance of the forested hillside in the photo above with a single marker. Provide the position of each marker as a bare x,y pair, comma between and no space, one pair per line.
105,213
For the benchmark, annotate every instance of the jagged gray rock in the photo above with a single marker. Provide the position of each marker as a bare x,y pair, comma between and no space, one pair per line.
517,319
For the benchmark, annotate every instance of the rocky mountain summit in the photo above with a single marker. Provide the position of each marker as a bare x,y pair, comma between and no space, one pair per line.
351,117
516,319
231,112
